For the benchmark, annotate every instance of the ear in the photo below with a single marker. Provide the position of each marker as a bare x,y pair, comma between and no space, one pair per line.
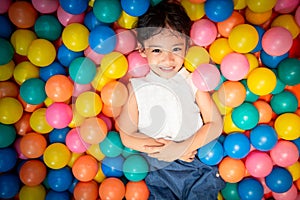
141,49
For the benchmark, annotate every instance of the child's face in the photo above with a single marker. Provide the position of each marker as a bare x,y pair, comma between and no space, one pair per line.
165,53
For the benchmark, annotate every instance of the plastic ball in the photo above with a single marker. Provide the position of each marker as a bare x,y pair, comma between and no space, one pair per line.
33,145
225,27
135,8
32,91
114,93
126,41
114,65
33,172
203,32
38,121
41,52
292,193
21,40
128,152
261,81
59,88
112,145
53,195
260,32
93,130
243,38
51,70
59,115
135,168
102,39
232,93
66,18
85,168
232,170
127,21
137,190
74,7
22,14
260,5
9,185
8,135
230,191
294,169
11,110
195,11
284,102
287,126
107,11
279,180
236,70
258,18
112,166
32,192
297,15
90,20
8,159
95,151
137,65
250,188
45,6
289,71
285,6
284,153
6,50
48,27
82,70
25,70
112,188
75,37
218,11
80,88
86,190
65,56
287,21
212,153
236,145
57,156
58,135
88,104
263,137
259,164
218,49
277,41
271,61
245,116
5,6
74,141
194,57
7,71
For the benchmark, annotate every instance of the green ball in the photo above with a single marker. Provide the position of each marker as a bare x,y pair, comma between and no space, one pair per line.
32,91
107,11
82,70
289,71
48,27
230,191
135,168
245,116
284,102
112,145
250,96
6,52
7,135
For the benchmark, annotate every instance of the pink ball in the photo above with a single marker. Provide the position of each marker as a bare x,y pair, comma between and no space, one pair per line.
234,66
286,6
259,164
59,115
291,194
74,141
80,88
297,16
284,153
126,41
4,6
45,6
277,41
203,32
263,183
107,121
206,77
137,65
66,18
94,56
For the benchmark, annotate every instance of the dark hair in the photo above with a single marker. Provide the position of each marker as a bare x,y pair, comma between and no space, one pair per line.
163,15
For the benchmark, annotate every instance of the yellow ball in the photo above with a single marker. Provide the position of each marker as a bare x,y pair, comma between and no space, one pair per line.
38,121
229,126
287,126
219,49
127,21
7,70
253,62
294,169
32,192
287,21
114,65
261,81
21,40
100,176
11,110
57,155
243,38
222,108
195,56
239,4
41,52
195,11
88,104
75,37
261,5
100,80
95,151
25,70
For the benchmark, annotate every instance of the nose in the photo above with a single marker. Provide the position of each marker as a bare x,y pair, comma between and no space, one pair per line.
168,57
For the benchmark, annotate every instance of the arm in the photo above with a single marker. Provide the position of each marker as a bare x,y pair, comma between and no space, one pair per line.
127,123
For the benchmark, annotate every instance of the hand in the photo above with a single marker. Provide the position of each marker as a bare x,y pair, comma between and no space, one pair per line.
149,145
189,157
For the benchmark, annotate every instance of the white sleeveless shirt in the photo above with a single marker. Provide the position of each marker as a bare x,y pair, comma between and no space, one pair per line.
167,107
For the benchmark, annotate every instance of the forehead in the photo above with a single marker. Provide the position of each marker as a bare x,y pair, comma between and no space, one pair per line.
166,37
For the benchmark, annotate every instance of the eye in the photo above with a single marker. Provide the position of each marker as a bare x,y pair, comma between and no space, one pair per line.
156,51
177,49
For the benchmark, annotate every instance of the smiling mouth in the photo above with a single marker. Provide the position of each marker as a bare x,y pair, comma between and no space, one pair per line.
166,69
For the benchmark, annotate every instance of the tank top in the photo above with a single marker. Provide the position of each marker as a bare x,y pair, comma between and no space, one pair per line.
167,107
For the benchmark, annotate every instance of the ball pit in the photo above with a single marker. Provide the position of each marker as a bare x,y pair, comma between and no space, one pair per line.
64,66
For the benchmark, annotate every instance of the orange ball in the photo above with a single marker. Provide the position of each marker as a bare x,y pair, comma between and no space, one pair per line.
93,130
232,170
23,126
59,88
265,111
85,168
112,188
114,93
111,111
225,27
137,190
86,190
8,89
33,145
232,93
33,172
22,14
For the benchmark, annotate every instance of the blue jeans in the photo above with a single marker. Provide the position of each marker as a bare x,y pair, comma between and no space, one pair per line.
181,180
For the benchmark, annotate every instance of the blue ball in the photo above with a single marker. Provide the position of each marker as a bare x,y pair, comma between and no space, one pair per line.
218,10
60,180
53,195
58,135
102,39
33,91
236,145
7,27
91,21
8,159
263,137
112,145
9,185
112,167
74,7
82,70
279,180
65,55
260,32
297,143
212,153
135,168
135,8
51,70
250,189
271,61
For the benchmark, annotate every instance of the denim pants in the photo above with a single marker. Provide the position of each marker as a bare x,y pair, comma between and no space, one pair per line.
181,180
